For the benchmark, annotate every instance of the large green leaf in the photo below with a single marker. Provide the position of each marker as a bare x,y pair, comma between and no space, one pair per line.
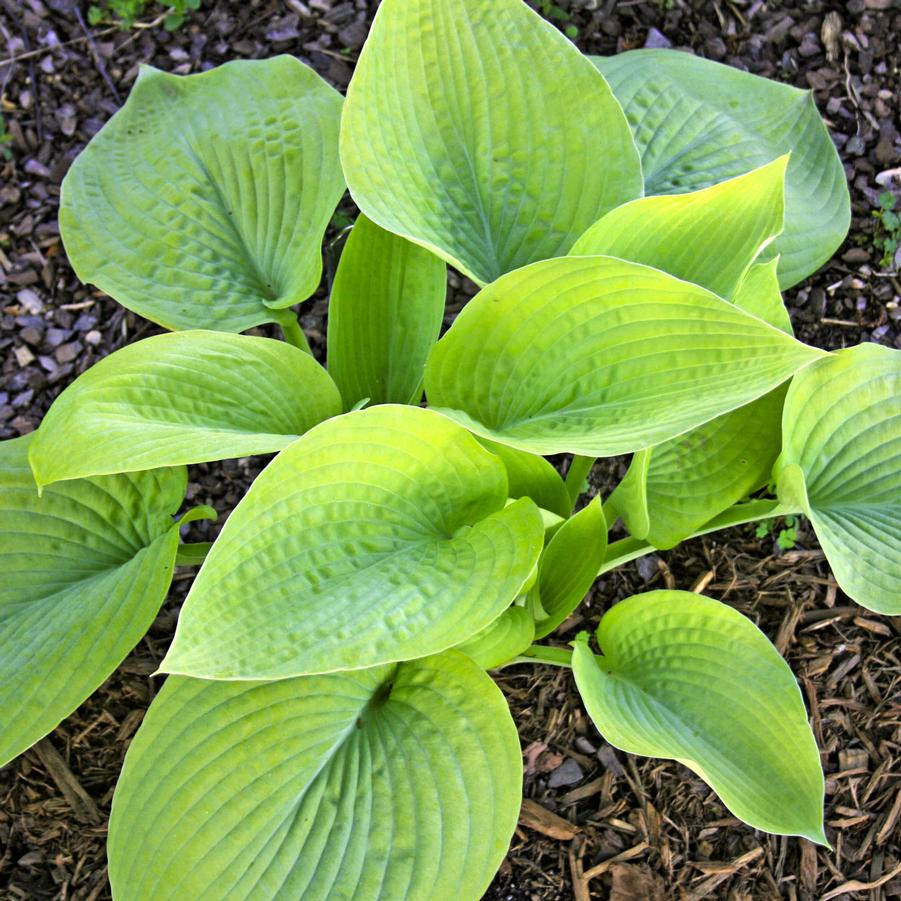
202,203
569,566
379,536
85,568
474,128
697,122
841,465
709,237
529,475
384,315
688,678
186,397
599,356
399,783
671,490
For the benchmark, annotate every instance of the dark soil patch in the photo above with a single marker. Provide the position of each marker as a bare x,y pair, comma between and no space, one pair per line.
598,823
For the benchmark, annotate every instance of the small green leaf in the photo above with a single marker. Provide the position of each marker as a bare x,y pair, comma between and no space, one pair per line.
399,782
570,564
474,128
500,642
380,535
709,237
697,123
86,567
687,678
599,356
186,397
202,203
529,475
384,315
840,465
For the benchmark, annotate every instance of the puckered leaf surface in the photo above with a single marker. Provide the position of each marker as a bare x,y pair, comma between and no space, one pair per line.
187,397
85,568
384,315
709,237
698,122
379,536
687,678
599,356
673,489
202,203
476,129
841,465
401,782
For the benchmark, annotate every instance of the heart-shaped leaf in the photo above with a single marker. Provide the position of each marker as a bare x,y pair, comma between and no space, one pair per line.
499,642
474,128
384,315
697,123
569,565
687,678
202,203
85,567
379,536
673,489
709,237
841,465
599,356
401,782
187,397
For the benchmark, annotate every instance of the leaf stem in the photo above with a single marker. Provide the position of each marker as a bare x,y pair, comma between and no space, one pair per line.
292,331
626,549
538,653
192,554
576,475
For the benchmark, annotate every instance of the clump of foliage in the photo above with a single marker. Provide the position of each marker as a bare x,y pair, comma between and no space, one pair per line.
127,12
887,235
328,728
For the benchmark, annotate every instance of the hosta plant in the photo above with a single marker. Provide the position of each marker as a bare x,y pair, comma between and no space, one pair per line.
328,728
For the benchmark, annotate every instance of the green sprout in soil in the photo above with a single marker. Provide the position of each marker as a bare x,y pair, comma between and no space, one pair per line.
786,537
887,235
128,11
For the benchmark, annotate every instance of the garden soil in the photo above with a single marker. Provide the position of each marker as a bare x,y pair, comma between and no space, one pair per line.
596,823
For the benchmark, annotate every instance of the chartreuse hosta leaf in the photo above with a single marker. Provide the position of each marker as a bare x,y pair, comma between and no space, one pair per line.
379,536
532,476
186,397
709,237
476,129
401,782
697,123
673,489
599,356
841,465
499,642
384,315
85,569
688,678
569,566
203,202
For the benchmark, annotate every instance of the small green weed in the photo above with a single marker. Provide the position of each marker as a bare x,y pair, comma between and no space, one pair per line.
887,235
555,13
5,139
786,537
128,11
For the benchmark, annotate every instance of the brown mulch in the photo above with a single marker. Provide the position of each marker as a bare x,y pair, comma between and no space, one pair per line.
597,823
